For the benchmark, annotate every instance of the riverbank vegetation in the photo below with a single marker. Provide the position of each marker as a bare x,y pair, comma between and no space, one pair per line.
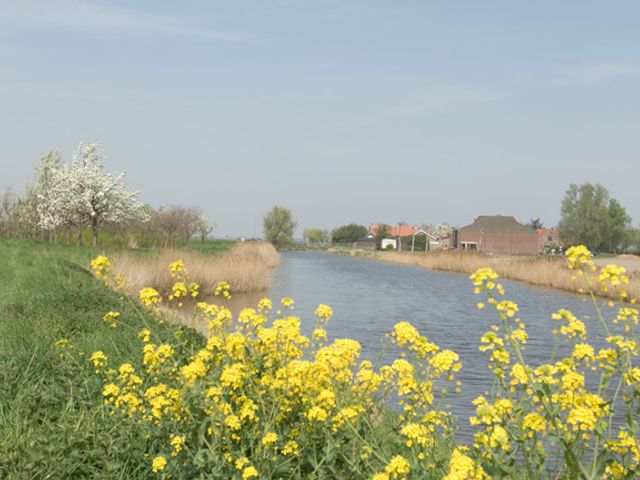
247,267
545,271
98,384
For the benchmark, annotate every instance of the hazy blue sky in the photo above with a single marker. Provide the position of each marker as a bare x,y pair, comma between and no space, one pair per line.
364,111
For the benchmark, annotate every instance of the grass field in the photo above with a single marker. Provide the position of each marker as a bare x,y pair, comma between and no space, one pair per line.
51,420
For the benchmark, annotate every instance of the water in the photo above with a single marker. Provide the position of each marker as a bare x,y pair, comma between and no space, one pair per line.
368,297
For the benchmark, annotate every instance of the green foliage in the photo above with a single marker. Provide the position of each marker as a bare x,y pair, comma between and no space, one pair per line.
590,217
348,233
383,232
316,235
278,225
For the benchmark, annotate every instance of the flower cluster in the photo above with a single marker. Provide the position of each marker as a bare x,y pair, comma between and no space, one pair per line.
259,399
533,411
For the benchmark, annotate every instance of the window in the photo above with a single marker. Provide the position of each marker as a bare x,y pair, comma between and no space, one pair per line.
469,245
549,238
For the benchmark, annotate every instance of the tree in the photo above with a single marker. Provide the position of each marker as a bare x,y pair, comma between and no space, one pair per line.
8,201
443,230
382,233
590,217
348,233
204,228
535,224
316,235
86,195
41,207
278,226
175,221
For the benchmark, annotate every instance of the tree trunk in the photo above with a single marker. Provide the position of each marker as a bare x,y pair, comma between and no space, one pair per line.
94,230
79,237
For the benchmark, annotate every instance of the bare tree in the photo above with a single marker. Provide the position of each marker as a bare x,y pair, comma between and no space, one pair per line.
204,228
176,222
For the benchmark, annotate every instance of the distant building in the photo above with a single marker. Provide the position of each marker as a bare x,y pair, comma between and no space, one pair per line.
368,242
548,239
395,230
496,234
389,242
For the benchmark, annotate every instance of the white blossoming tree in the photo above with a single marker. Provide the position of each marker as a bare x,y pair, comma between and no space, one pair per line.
86,195
40,206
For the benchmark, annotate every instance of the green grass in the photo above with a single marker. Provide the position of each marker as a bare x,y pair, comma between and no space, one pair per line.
211,247
51,421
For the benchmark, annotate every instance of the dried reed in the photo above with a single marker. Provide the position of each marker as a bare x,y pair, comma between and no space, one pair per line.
544,271
247,267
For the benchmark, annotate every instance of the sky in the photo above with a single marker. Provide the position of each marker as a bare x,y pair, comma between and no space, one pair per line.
343,111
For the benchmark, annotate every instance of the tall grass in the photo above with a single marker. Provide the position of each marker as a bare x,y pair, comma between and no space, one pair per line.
543,271
247,267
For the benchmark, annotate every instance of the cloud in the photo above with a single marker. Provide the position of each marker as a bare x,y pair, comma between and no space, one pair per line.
596,72
101,18
433,101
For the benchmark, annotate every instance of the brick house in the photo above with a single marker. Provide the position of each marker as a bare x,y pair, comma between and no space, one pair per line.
548,238
496,234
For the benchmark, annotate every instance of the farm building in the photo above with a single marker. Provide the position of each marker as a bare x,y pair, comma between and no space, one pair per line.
496,234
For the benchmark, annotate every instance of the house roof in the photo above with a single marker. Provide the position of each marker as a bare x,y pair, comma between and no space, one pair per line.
546,232
497,224
399,230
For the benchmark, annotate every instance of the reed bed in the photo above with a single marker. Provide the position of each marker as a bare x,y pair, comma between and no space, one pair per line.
247,267
543,271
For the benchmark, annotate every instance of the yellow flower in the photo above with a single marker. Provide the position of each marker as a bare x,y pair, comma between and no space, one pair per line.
380,476
323,312
445,361
316,414
579,257
398,467
534,422
110,318
144,334
99,359
291,448
286,302
462,467
416,434
269,438
176,267
265,305
158,464
177,442
149,297
233,422
249,472
100,265
483,278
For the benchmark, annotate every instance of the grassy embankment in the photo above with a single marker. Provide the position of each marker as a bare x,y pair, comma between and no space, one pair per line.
52,424
543,271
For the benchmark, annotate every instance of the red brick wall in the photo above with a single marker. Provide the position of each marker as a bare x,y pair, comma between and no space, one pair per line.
505,243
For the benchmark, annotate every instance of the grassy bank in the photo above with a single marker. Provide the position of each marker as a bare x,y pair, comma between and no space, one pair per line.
543,271
247,267
52,423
